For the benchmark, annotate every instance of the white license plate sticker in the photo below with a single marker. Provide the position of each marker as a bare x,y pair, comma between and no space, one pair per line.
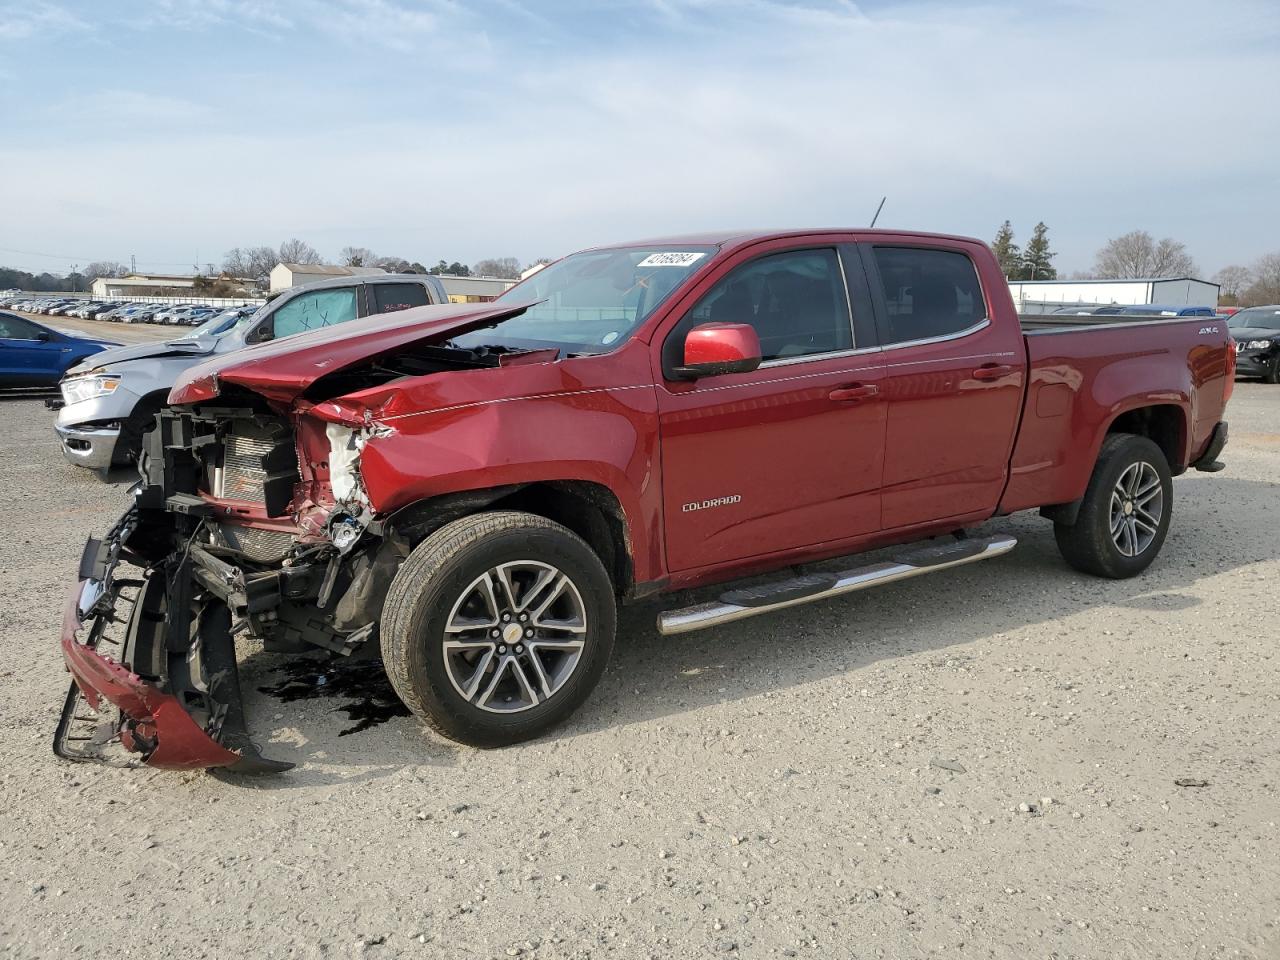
670,259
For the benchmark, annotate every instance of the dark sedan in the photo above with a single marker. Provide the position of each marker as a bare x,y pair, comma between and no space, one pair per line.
33,355
1256,332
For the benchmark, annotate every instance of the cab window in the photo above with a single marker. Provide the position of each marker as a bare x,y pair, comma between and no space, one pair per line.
388,297
795,301
311,311
927,293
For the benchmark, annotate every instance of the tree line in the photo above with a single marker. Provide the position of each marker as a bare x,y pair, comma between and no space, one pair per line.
255,262
1138,255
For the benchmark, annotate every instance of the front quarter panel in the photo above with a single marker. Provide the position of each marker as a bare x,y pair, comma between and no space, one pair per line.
587,419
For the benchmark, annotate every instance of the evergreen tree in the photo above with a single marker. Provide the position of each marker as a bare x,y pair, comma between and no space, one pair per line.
1006,250
1037,262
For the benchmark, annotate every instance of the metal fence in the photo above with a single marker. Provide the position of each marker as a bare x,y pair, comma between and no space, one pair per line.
170,301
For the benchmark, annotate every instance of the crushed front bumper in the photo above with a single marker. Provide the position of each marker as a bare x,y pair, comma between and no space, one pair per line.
154,718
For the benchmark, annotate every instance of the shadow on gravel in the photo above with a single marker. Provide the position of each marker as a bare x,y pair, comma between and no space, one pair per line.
651,676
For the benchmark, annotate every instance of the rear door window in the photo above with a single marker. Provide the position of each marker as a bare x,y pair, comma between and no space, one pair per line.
927,293
388,297
311,311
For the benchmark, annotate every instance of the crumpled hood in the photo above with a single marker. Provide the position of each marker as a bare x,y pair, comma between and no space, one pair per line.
145,351
282,369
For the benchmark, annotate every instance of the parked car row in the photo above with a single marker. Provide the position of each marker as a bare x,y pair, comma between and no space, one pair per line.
1135,310
117,311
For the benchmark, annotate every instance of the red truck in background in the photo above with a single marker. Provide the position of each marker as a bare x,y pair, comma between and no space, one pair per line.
475,487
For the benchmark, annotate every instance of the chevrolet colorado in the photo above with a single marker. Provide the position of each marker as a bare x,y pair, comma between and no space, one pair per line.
475,487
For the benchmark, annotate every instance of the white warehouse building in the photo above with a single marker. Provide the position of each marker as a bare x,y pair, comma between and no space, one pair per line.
1171,291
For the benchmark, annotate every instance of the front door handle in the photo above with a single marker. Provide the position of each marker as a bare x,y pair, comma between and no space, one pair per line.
992,371
853,394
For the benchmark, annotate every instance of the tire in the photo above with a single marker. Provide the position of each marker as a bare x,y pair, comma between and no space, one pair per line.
446,679
134,430
1093,544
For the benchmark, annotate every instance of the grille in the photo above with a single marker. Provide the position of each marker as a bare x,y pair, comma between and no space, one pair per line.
261,545
242,472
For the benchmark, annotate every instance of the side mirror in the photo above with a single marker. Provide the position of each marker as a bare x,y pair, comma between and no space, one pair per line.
716,348
44,336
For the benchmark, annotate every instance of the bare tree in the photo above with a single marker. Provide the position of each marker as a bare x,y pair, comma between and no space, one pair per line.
250,262
1138,255
298,251
508,268
1233,280
1265,288
261,261
103,268
357,257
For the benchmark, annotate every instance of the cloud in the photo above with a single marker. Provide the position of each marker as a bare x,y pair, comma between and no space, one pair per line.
438,129
23,21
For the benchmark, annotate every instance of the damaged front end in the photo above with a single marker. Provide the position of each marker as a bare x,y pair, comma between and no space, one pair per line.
238,528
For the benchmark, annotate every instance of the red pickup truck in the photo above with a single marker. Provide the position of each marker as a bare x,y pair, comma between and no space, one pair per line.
475,487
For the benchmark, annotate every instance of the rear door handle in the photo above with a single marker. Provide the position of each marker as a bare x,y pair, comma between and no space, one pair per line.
853,394
992,371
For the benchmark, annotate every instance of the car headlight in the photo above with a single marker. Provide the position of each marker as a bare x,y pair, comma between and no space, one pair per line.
1257,344
88,386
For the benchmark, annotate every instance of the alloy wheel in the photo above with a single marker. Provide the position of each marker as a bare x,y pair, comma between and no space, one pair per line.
1137,507
515,636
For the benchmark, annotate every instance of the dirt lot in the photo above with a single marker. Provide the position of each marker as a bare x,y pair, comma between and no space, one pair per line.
978,764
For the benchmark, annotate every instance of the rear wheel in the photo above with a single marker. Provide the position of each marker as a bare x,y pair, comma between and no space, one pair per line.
497,627
1124,517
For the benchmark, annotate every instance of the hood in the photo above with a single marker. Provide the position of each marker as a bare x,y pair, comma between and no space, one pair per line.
1245,334
145,351
282,369
79,337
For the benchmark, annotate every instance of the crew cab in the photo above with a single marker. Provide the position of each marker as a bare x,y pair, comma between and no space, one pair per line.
110,402
475,488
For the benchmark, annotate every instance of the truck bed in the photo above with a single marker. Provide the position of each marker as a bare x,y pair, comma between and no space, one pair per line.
1083,372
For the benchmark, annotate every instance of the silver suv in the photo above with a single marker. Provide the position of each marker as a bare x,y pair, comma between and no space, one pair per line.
110,400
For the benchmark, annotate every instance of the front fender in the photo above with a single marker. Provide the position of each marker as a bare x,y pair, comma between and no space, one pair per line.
609,438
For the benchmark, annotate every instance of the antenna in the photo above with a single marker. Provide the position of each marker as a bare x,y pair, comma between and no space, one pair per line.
878,209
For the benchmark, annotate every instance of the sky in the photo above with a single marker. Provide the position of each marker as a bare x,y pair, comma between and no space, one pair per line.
174,130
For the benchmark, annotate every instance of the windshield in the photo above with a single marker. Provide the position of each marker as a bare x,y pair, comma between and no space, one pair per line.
590,302
1266,317
218,323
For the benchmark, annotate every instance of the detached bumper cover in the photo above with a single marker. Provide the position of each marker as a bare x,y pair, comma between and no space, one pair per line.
155,718
152,723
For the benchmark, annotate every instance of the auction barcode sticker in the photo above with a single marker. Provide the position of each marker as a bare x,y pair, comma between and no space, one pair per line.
670,259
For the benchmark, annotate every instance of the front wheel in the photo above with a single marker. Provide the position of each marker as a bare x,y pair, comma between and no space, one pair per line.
1124,516
497,627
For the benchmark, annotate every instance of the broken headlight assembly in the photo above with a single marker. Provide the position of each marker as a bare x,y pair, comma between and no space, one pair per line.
88,386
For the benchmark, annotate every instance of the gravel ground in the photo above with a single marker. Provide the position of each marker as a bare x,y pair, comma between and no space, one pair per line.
980,764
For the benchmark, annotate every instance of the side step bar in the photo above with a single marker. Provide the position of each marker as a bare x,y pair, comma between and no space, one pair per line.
746,602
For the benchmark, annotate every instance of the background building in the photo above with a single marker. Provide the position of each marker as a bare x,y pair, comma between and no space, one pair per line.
143,285
286,275
474,289
1179,291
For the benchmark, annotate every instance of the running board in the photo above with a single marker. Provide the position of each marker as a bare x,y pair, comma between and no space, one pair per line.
738,604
